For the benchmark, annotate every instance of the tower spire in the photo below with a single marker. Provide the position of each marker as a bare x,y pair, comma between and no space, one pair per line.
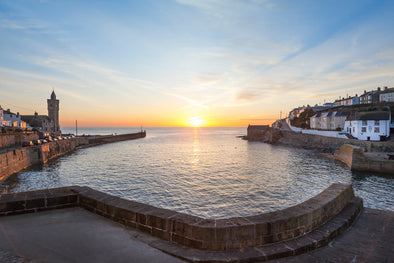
53,95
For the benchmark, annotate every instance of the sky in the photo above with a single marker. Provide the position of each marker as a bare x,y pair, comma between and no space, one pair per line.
190,63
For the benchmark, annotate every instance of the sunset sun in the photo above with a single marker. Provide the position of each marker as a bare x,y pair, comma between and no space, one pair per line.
196,122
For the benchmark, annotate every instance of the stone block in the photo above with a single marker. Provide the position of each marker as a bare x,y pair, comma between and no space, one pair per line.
144,228
160,218
263,229
35,203
61,200
161,234
87,202
267,239
124,214
203,230
275,251
16,205
132,224
181,224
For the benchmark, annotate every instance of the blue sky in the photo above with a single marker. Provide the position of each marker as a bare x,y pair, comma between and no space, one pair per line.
159,63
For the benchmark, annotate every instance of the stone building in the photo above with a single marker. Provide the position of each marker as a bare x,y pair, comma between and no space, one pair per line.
46,123
256,131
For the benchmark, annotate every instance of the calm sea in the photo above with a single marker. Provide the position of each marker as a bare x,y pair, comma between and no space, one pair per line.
207,172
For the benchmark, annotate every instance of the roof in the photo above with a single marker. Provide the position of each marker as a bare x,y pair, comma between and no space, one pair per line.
8,112
391,90
329,114
34,120
53,95
259,126
370,116
339,114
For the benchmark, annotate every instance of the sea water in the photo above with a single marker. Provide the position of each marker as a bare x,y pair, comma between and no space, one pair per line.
208,172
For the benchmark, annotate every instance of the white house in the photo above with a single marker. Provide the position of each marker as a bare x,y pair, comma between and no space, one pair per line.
369,126
387,95
7,118
331,120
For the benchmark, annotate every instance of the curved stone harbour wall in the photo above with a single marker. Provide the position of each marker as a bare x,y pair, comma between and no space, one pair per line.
357,160
20,158
14,160
188,230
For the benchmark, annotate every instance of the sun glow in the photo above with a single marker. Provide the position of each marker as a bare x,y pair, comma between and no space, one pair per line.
196,122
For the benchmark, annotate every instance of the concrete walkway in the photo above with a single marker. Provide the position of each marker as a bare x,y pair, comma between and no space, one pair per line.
72,235
76,235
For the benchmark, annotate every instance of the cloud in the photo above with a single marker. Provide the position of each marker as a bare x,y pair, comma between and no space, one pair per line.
247,96
209,78
22,24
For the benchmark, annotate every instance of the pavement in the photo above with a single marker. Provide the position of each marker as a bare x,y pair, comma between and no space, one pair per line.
72,235
76,235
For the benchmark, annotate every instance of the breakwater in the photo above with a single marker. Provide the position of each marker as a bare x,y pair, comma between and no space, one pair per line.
358,160
336,202
103,139
20,158
17,159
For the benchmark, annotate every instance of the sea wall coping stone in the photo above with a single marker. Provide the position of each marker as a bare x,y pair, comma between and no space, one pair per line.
189,230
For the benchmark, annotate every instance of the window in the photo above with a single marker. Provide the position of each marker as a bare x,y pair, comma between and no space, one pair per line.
363,129
364,123
376,129
377,122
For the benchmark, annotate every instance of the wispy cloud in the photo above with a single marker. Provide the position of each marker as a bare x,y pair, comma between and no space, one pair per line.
22,24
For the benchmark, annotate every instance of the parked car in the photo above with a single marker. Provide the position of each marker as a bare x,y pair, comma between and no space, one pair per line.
36,142
27,143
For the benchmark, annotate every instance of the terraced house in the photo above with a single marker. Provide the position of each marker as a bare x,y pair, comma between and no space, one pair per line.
331,120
